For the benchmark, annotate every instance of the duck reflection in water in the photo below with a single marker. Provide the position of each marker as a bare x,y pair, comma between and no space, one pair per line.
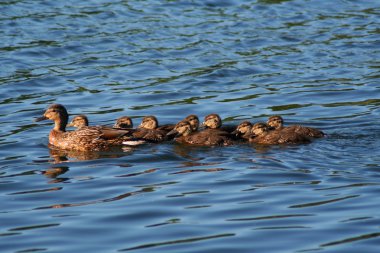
54,173
64,156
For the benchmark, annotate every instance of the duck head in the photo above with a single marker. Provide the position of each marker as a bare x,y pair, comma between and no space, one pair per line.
58,114
243,128
212,121
275,122
123,122
149,122
79,121
194,121
259,129
182,128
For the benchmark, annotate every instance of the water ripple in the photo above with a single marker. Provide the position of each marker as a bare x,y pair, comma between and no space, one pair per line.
313,62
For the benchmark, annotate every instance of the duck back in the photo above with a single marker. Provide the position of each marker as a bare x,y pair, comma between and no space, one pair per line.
308,131
207,137
282,136
88,138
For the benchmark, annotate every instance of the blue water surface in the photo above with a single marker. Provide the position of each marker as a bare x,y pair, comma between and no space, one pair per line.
314,62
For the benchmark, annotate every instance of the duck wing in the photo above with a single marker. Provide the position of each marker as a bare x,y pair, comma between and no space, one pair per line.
150,135
166,128
209,137
111,134
308,131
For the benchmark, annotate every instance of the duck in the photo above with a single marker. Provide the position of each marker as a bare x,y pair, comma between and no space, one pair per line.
123,122
276,122
150,130
185,134
146,131
262,134
213,121
243,131
79,121
86,138
194,121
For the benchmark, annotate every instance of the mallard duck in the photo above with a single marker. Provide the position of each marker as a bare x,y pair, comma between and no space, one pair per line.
209,137
150,131
194,121
213,121
79,121
243,130
261,134
276,122
90,138
123,122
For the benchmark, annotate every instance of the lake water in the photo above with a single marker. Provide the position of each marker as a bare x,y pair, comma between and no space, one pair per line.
314,62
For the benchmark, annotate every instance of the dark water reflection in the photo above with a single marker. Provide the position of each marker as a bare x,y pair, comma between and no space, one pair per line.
314,62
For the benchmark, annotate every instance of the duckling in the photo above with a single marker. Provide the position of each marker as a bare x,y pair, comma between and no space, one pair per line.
91,138
208,137
243,130
263,135
79,121
123,122
277,122
194,121
149,130
213,121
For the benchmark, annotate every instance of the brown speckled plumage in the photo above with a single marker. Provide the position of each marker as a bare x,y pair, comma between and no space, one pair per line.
123,122
84,138
276,122
262,135
207,137
243,130
150,130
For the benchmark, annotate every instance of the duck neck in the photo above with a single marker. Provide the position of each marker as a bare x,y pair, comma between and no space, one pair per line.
60,125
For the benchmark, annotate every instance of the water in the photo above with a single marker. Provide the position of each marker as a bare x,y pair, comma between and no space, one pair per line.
314,62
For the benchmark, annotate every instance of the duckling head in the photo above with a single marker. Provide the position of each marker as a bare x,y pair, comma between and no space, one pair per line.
123,122
182,128
79,121
149,122
275,122
260,129
243,128
212,121
58,114
194,121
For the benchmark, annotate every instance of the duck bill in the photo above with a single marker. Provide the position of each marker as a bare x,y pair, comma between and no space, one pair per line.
40,119
70,125
173,133
236,132
204,125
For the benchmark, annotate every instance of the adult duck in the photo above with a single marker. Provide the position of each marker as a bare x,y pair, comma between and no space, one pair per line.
90,138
